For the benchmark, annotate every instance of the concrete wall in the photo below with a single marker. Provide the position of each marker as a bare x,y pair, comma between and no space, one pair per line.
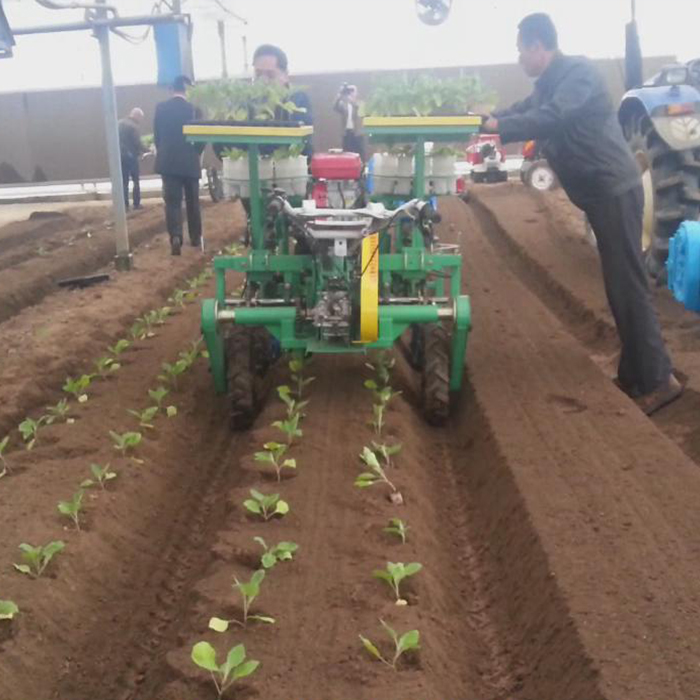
61,132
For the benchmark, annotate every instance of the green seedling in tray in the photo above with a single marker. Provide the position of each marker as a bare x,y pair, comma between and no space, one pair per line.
8,609
249,591
73,508
266,506
233,669
282,551
376,475
146,416
398,528
36,559
100,476
273,454
409,641
394,574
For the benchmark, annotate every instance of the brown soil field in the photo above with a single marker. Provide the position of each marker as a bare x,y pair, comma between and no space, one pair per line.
555,523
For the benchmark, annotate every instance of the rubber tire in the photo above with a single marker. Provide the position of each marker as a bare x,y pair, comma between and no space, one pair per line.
436,375
215,185
478,178
243,397
533,169
676,182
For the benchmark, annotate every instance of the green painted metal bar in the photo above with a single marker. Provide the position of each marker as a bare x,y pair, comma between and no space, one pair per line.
256,218
215,345
220,284
410,133
419,174
247,140
460,334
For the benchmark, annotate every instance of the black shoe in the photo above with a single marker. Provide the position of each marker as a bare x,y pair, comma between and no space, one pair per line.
138,206
196,242
175,246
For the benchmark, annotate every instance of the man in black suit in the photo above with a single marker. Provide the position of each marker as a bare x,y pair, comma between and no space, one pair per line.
178,163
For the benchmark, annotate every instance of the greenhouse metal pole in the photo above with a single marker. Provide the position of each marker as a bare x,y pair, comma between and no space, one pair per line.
109,103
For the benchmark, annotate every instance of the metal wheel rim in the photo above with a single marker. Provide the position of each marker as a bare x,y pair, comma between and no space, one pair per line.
542,178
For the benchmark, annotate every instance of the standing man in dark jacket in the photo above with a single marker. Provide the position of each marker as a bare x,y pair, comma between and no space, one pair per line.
572,115
347,105
131,148
178,163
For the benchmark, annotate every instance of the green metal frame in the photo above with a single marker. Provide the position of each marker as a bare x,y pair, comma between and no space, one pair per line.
404,268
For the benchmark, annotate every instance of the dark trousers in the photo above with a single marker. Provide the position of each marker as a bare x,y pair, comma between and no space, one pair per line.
130,171
617,224
173,187
352,143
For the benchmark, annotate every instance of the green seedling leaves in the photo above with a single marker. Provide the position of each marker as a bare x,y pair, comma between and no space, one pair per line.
4,469
146,416
29,429
105,365
382,365
158,395
8,609
234,668
171,372
376,475
126,442
296,367
274,451
58,412
119,347
72,509
266,506
282,551
36,559
100,476
378,418
78,387
409,641
289,427
394,574
387,451
294,408
398,528
382,394
249,591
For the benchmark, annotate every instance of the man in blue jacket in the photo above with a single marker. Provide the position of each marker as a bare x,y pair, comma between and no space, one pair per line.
571,114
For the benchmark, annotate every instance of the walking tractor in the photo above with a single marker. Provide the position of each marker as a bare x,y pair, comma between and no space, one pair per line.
322,280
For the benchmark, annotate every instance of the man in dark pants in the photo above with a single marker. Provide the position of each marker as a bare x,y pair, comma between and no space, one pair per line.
178,163
346,104
131,148
572,115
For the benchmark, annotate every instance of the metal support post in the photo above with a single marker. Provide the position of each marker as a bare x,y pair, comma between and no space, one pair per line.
123,257
221,26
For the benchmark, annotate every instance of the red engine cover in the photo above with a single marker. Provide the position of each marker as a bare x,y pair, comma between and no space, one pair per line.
336,166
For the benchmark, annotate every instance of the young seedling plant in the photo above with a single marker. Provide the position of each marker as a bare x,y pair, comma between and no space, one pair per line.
386,452
59,412
100,476
171,372
273,454
409,641
29,429
394,574
8,609
126,442
233,669
146,416
398,528
294,407
105,365
78,387
376,475
282,551
378,410
158,395
290,428
266,506
296,367
72,509
119,347
249,591
4,469
382,366
36,559
382,394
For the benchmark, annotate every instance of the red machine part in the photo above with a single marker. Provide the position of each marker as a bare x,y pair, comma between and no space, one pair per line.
336,165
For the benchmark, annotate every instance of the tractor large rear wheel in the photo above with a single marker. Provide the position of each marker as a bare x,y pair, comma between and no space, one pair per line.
244,375
436,374
671,182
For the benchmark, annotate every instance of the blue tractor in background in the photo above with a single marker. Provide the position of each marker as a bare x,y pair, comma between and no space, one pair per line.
661,121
